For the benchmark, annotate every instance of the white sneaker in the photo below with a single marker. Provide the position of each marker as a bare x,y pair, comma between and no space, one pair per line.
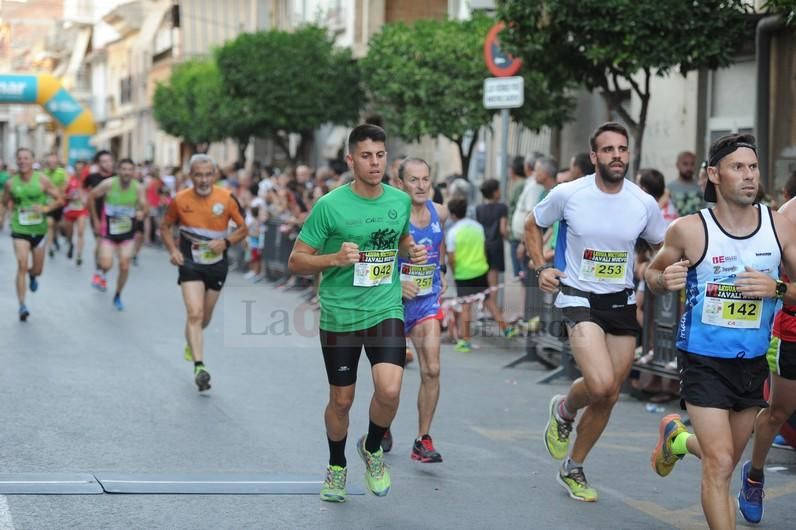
249,275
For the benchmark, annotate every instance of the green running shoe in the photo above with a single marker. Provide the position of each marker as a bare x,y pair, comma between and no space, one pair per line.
187,354
510,332
463,346
663,459
576,485
334,486
201,378
377,474
556,432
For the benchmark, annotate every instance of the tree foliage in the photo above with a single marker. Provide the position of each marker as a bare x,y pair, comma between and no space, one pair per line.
290,82
187,106
609,44
427,79
787,8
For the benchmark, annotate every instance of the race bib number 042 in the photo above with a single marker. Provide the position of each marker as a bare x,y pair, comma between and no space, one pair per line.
604,266
725,307
375,268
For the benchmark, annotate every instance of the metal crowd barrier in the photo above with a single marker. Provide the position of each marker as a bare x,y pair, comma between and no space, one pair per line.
276,250
661,320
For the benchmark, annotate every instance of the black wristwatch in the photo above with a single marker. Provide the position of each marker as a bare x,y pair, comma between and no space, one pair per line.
443,268
538,270
781,289
227,243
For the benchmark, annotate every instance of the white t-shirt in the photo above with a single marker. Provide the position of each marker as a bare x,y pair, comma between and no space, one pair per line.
597,235
528,199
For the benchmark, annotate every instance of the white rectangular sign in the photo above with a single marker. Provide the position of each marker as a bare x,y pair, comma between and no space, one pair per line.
504,92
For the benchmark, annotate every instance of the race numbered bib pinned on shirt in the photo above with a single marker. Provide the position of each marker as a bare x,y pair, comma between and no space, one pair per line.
375,268
29,217
604,266
422,275
120,225
726,307
201,254
75,204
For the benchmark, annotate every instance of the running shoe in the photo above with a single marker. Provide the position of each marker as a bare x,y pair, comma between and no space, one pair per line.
71,251
117,303
463,346
333,489
663,460
187,354
103,284
201,378
95,280
79,261
557,431
23,313
386,442
781,443
34,284
377,474
750,498
576,484
51,252
135,261
423,451
510,332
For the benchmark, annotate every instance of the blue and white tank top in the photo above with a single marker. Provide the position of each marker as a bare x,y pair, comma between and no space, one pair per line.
718,321
427,276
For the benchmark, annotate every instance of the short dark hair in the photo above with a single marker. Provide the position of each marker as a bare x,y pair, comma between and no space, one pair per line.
518,166
790,185
28,149
363,132
458,207
410,160
610,126
582,161
125,161
728,141
652,181
489,187
99,154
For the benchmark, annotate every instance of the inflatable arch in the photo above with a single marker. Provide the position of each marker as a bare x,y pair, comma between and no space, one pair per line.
46,90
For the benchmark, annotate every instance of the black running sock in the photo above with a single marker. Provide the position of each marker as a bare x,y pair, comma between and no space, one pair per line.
755,475
197,364
375,436
337,452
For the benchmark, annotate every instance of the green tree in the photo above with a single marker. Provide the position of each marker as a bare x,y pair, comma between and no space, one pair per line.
427,79
787,8
290,83
610,44
187,106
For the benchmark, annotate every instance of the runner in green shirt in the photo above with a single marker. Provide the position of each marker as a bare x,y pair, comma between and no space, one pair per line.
57,175
28,191
353,236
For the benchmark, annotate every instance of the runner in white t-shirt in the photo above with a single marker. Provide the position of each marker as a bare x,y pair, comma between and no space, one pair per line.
601,217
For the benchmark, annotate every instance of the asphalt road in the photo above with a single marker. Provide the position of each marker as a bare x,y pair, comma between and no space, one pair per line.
87,389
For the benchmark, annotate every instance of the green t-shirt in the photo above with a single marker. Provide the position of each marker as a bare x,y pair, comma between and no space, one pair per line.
349,301
57,176
466,240
24,220
4,176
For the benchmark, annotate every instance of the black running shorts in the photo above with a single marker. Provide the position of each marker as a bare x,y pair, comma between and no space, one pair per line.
35,241
782,358
621,321
213,278
384,343
729,384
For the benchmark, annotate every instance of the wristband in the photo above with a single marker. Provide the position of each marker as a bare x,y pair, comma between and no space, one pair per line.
538,270
227,243
443,268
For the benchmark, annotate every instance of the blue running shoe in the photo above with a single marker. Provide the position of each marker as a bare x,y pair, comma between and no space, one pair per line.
750,498
117,303
781,443
34,284
23,313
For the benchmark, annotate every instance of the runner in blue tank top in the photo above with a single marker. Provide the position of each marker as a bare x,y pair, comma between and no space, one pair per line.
422,286
727,259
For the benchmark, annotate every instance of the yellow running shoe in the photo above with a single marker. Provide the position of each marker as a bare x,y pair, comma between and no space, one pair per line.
556,432
188,354
574,481
663,459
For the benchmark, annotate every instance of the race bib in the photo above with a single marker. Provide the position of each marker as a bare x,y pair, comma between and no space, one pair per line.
29,217
725,307
75,204
375,268
201,254
120,225
422,275
604,266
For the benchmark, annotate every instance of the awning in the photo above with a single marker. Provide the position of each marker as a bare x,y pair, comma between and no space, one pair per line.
154,16
112,128
78,53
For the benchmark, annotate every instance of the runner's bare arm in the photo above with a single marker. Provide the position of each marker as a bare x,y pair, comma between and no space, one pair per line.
98,191
166,235
143,205
534,241
785,226
669,268
305,260
6,195
408,249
